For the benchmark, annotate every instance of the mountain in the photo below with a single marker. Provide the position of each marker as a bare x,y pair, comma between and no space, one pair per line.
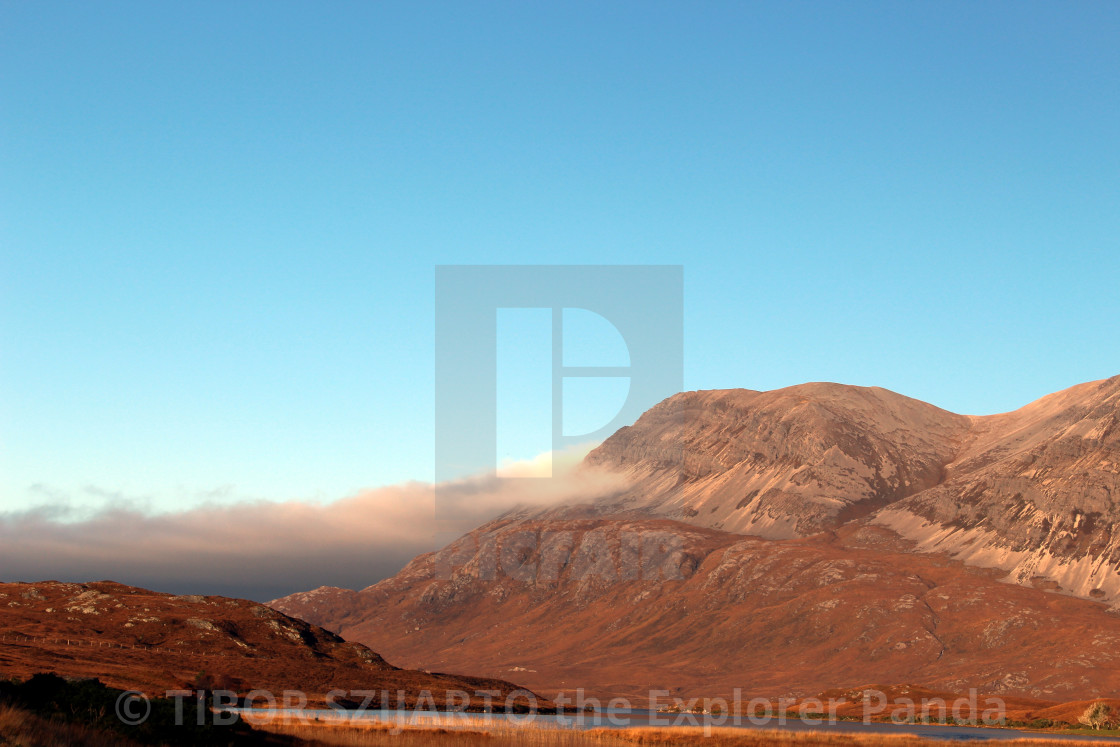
135,639
623,607
1035,492
781,464
790,541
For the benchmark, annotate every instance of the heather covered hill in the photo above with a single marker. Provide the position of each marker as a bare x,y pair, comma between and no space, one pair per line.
136,639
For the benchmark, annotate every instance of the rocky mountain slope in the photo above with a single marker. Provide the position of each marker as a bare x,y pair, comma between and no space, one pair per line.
1035,492
883,534
787,463
622,607
135,639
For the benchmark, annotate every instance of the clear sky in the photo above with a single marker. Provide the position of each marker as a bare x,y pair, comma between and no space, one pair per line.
219,222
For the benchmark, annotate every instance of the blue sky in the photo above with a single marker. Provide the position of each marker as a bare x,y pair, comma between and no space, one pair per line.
219,222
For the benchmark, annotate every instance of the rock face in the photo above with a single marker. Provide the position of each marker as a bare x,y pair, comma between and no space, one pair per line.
1035,492
780,464
624,607
132,638
890,541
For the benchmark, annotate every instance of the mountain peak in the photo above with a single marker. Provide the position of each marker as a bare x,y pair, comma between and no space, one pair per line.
1029,491
783,463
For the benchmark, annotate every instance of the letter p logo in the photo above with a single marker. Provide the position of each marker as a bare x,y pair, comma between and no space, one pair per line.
532,319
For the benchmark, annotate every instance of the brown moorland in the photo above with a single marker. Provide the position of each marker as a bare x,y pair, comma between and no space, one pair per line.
135,639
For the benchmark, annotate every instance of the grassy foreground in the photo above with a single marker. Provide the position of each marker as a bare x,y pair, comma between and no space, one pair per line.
20,728
483,734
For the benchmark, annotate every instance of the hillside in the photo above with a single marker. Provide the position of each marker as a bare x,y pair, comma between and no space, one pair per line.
135,639
814,537
623,607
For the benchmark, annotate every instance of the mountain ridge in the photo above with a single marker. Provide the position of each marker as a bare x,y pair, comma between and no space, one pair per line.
926,473
995,512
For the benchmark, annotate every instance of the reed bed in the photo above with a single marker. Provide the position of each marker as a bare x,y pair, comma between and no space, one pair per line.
479,732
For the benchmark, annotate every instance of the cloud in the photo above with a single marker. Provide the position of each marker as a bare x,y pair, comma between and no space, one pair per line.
549,479
262,549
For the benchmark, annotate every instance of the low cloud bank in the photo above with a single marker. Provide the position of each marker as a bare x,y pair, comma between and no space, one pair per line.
262,550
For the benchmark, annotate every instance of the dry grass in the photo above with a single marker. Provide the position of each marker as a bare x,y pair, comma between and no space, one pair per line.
467,733
19,728
482,733
739,738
